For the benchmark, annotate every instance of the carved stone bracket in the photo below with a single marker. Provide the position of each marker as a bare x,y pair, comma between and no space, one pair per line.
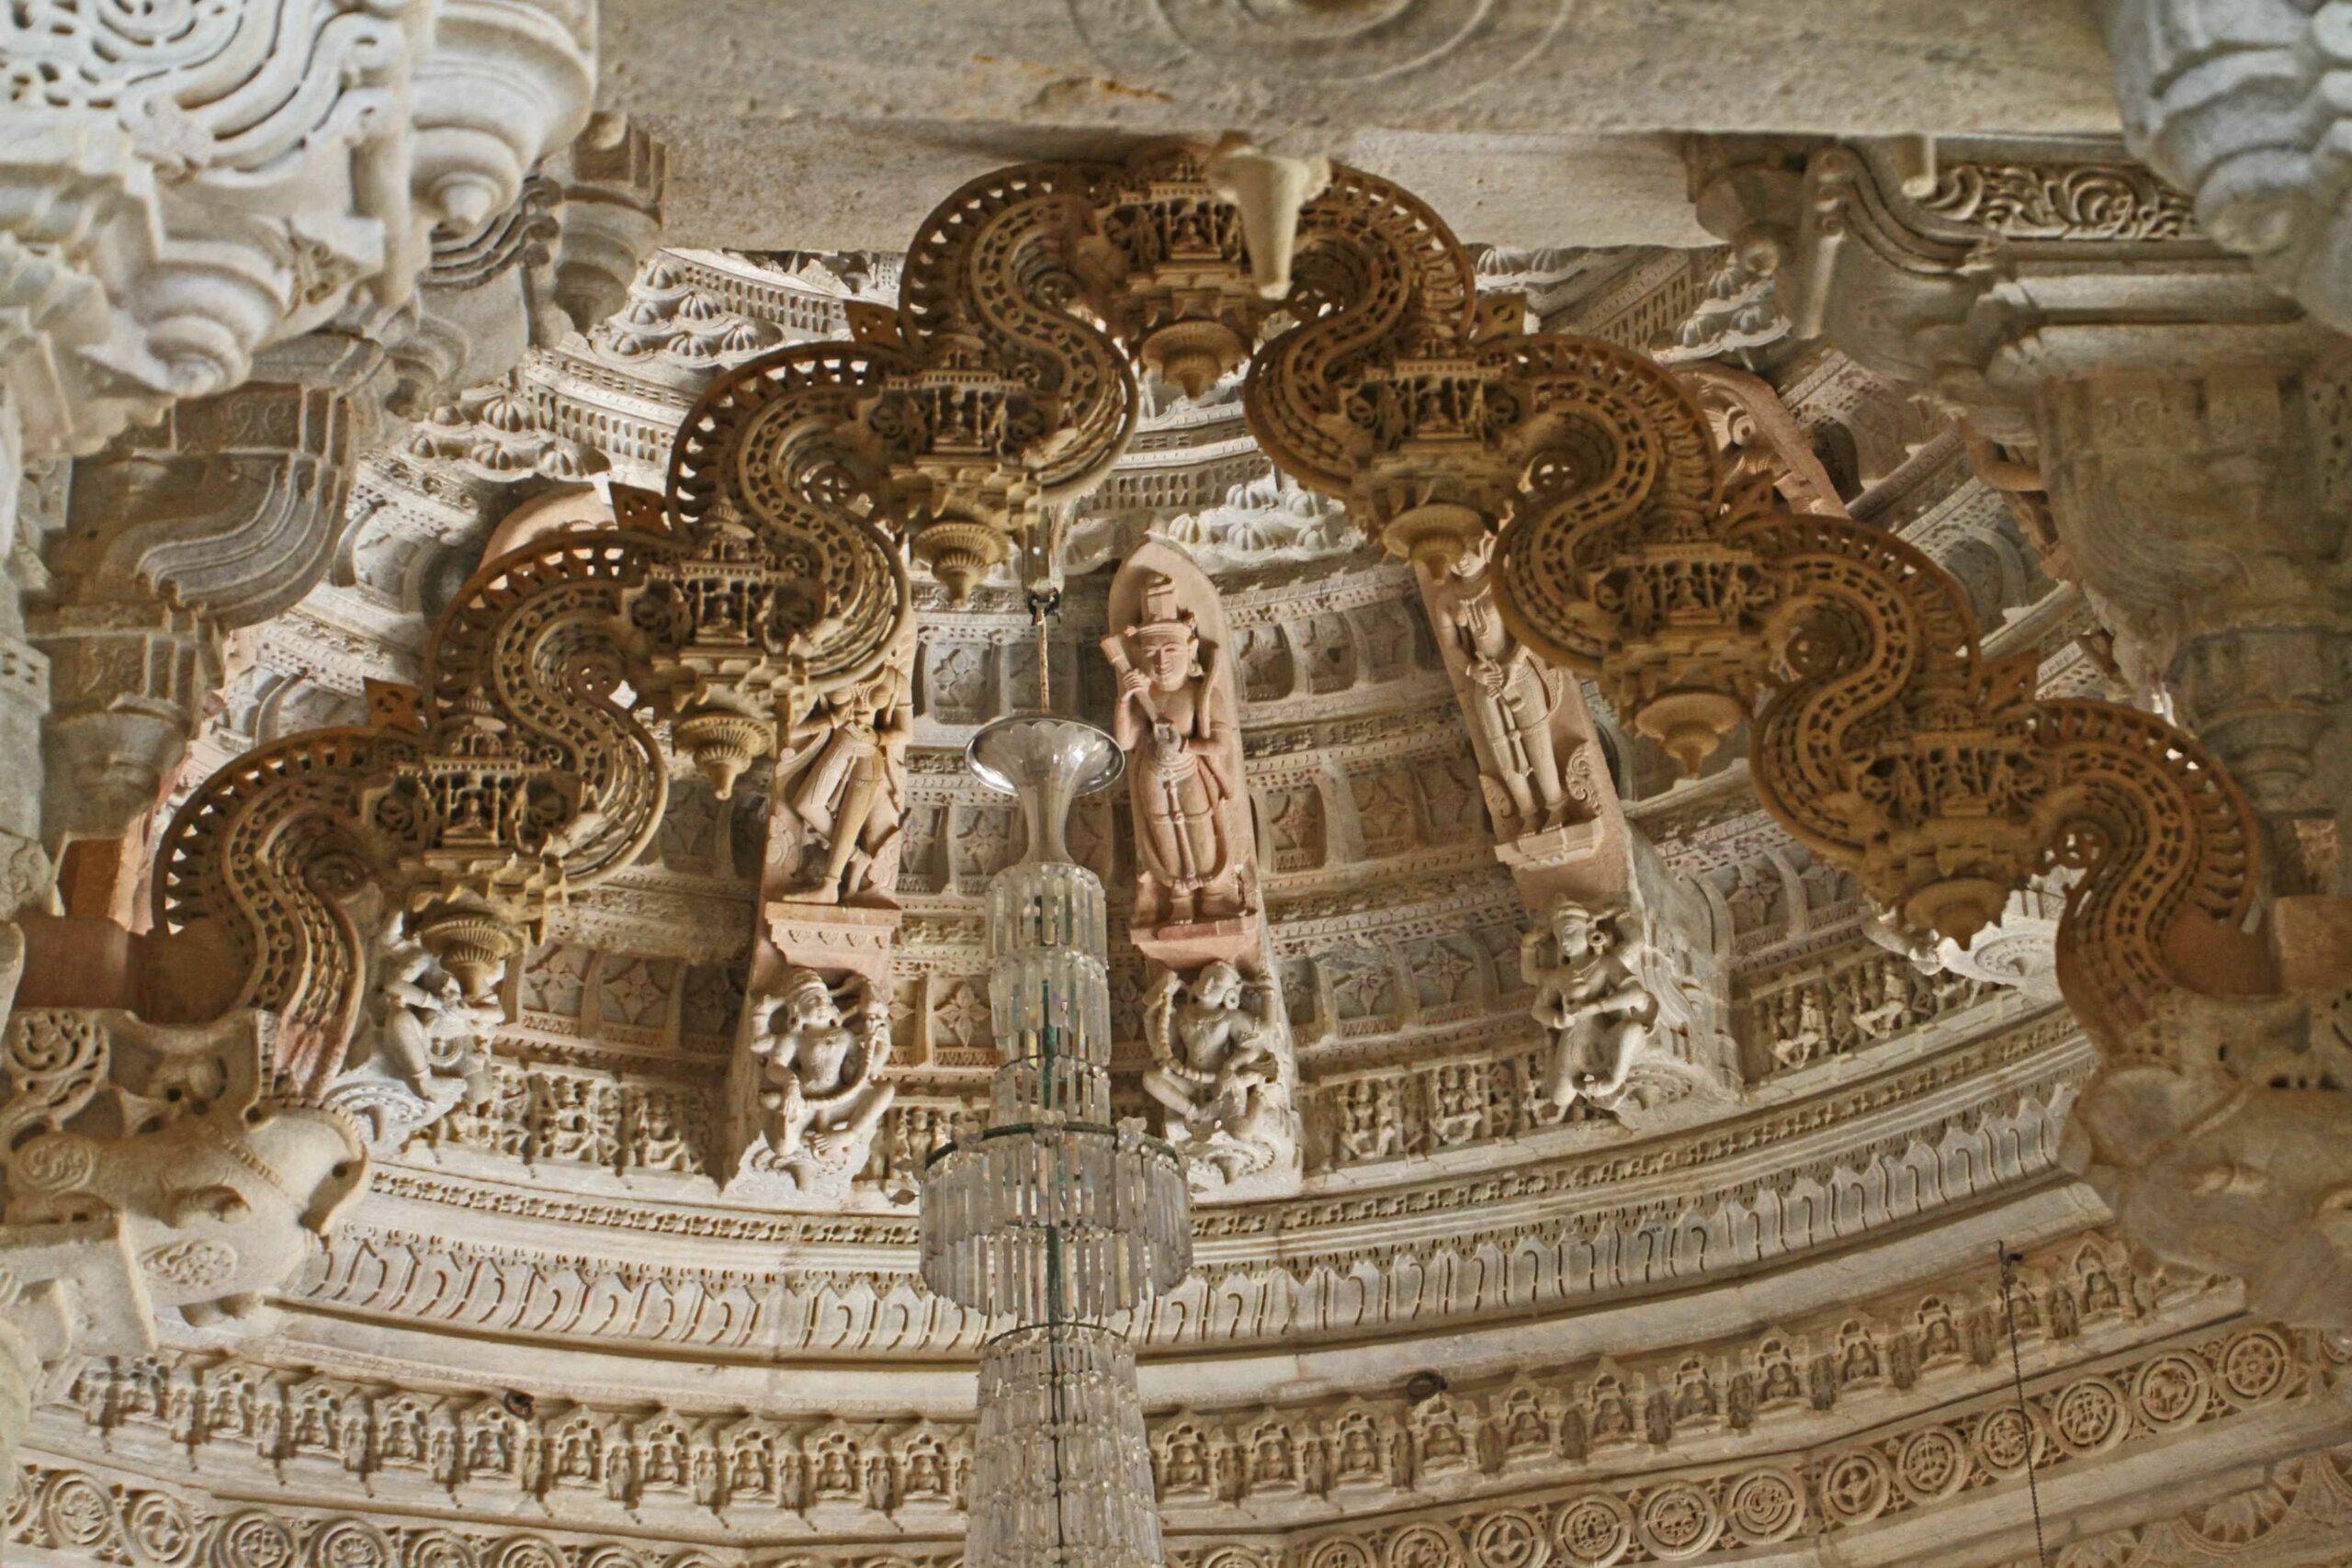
2231,100
175,201
146,1168
2156,412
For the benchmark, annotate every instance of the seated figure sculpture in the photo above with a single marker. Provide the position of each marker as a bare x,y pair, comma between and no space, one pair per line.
1219,1072
1590,995
819,1092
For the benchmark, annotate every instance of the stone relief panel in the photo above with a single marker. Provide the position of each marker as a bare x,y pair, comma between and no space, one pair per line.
1527,1245
2120,1364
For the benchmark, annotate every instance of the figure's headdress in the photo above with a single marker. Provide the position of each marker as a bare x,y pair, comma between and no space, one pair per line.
1163,620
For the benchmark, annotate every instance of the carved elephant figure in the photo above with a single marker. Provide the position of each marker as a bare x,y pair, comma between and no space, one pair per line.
221,1190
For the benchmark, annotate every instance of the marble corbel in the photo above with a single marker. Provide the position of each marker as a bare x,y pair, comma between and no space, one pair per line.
2237,101
2106,349
812,1096
144,1170
1224,1075
223,516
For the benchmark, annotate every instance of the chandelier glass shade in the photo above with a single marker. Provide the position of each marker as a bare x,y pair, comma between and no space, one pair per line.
1055,1215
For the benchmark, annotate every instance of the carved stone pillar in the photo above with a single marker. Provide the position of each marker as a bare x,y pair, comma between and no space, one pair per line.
2235,102
175,201
25,872
2207,513
221,516
1225,1079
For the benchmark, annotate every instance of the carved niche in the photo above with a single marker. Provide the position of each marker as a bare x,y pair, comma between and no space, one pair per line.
1557,820
1225,1076
1176,714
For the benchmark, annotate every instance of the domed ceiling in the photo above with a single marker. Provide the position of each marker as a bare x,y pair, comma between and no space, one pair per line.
1747,1305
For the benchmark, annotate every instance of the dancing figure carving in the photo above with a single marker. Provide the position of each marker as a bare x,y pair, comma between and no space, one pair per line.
1221,1074
820,1093
847,787
428,1046
1603,1016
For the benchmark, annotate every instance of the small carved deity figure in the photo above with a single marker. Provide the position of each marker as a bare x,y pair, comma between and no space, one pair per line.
1590,996
1220,1073
432,1045
1804,1031
1174,719
1185,1470
819,1092
1506,693
1883,1016
847,787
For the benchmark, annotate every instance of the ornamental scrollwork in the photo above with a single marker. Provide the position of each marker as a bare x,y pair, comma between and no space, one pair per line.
746,610
1883,736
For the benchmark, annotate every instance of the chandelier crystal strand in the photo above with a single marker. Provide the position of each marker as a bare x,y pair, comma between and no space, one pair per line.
1053,1215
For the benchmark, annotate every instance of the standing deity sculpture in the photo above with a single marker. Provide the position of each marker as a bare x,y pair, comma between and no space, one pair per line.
1606,1021
820,1057
1174,717
1508,696
845,785
423,1048
1222,1074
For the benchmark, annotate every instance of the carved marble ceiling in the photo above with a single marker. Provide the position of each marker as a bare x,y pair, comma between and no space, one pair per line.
1584,1171
559,1301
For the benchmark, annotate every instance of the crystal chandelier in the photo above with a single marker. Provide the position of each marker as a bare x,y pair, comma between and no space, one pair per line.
1052,1215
